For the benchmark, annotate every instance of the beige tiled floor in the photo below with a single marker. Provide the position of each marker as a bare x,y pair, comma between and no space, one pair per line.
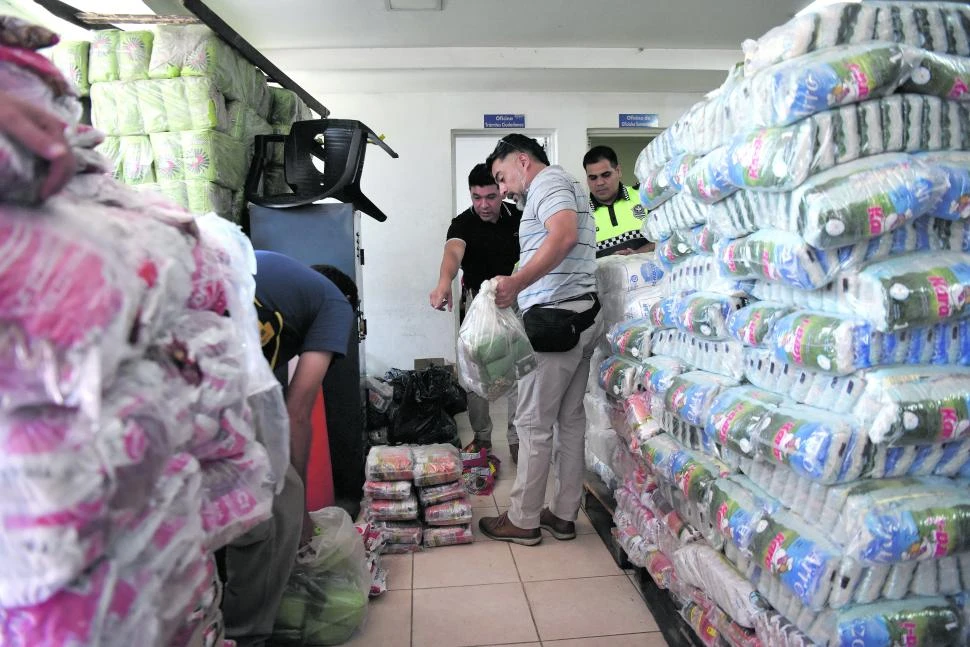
556,594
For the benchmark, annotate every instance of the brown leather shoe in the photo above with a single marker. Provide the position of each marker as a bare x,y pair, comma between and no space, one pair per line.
558,528
514,451
501,529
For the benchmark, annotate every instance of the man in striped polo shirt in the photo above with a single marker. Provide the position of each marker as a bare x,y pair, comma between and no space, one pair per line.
557,266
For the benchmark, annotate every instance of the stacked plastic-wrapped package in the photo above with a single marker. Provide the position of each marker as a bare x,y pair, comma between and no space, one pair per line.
809,364
628,287
180,109
132,374
399,478
287,109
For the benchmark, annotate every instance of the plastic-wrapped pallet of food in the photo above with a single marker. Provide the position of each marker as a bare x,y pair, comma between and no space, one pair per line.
132,157
391,490
631,338
158,105
448,536
401,532
450,513
388,510
435,494
200,155
194,50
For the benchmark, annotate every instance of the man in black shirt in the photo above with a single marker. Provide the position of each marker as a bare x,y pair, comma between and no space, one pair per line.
484,241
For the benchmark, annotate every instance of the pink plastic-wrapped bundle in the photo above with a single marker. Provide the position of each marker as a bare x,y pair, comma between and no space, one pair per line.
156,573
237,494
210,279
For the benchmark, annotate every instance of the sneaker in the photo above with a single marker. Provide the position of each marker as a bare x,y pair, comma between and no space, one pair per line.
514,452
501,529
558,528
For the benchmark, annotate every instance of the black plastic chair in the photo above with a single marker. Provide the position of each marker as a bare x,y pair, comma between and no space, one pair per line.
339,143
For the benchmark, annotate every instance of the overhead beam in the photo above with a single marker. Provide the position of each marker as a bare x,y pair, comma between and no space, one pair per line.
135,19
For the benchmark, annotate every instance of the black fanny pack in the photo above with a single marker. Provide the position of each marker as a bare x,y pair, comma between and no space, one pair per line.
557,330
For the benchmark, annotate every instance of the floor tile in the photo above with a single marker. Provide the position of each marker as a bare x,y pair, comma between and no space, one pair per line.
388,622
399,570
484,562
628,640
486,501
609,606
462,616
584,556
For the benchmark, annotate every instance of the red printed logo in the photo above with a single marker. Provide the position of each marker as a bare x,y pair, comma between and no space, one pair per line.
799,341
861,80
958,90
940,288
773,548
948,423
731,263
754,169
751,330
784,441
876,219
725,426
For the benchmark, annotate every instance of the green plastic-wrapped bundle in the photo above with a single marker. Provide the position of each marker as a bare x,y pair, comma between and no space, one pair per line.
71,58
132,156
195,196
245,123
133,53
103,64
287,107
158,105
201,155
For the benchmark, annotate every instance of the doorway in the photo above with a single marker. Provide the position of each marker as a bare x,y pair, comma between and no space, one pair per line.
627,142
471,147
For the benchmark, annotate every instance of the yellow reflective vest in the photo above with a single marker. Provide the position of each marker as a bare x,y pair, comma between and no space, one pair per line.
618,225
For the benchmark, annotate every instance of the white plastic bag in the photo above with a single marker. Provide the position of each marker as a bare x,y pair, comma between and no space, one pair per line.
493,349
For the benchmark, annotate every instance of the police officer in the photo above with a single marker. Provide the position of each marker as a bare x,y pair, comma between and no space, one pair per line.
617,210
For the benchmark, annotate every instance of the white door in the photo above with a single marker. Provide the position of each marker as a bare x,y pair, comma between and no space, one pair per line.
473,147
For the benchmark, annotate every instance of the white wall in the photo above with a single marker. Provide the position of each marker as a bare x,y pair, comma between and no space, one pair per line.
415,191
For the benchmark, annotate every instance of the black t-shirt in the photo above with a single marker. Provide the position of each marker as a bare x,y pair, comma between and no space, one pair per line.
491,249
315,315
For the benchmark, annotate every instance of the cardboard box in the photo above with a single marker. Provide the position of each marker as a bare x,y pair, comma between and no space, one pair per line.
422,363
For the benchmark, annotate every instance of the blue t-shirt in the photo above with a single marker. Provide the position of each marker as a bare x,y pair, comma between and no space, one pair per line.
300,310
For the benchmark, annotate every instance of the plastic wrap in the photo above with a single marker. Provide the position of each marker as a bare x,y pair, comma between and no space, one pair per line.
200,155
663,313
195,51
195,196
132,156
705,314
156,106
386,510
721,357
847,204
119,55
435,494
955,203
703,567
940,75
389,464
631,338
915,405
390,490
326,596
71,58
680,212
493,349
286,107
450,513
699,272
752,324
245,123
941,27
448,536
401,532
832,344
237,495
676,248
690,394
626,273
921,621
436,464
619,377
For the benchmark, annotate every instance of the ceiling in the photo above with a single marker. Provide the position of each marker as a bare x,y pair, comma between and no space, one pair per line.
486,45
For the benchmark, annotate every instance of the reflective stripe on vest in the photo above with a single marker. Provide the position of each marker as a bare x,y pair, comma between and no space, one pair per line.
620,221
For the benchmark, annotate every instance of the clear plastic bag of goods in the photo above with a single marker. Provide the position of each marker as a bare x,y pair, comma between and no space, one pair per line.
821,81
734,415
734,508
448,536
703,239
690,394
937,26
450,513
436,464
390,490
705,314
631,338
132,157
922,620
386,463
663,313
619,377
955,203
680,212
493,349
674,249
705,568
893,521
752,323
830,343
435,494
659,371
400,532
237,494
847,204
699,272
915,405
765,371
388,510
941,75
326,597
626,273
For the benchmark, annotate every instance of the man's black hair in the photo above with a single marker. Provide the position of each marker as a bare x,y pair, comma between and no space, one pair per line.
599,153
343,282
481,175
516,143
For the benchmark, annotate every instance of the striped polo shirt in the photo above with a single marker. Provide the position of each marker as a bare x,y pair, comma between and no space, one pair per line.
551,191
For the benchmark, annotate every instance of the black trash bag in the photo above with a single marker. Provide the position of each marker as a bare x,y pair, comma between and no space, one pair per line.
423,402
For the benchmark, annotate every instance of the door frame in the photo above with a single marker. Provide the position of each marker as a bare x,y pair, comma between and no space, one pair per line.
552,151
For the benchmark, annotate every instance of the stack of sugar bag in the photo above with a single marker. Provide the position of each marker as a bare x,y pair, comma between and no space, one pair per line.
180,109
132,374
811,219
415,496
